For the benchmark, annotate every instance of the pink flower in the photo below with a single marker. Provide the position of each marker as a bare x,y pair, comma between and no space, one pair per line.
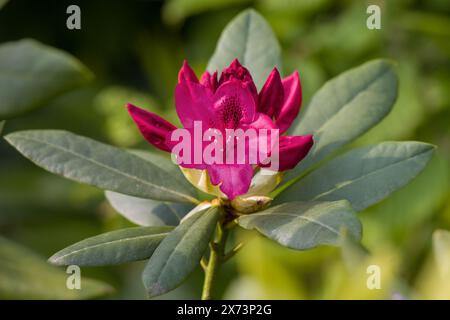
231,101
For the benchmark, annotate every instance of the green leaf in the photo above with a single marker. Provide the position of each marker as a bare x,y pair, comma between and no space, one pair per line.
165,163
346,107
31,74
180,252
116,247
305,225
146,212
249,38
432,184
363,176
24,275
2,125
410,110
91,162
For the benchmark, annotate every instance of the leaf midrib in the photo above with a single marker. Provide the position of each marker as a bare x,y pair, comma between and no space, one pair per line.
367,175
301,217
174,212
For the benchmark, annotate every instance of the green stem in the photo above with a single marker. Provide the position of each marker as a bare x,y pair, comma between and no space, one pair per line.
215,260
233,252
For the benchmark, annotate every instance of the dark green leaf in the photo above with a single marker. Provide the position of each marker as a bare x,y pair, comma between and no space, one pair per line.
346,107
31,74
146,212
161,161
180,252
131,244
249,38
91,162
432,184
304,225
363,176
24,275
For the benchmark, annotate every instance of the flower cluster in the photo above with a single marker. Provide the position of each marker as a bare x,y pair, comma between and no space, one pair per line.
231,101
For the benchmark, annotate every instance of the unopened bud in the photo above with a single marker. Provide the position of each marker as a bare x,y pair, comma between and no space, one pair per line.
250,204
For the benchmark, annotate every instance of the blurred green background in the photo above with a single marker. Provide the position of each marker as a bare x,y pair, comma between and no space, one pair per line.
135,49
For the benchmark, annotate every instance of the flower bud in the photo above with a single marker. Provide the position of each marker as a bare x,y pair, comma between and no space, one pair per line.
250,204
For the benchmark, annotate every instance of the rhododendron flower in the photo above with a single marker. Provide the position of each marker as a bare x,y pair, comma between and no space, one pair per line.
231,101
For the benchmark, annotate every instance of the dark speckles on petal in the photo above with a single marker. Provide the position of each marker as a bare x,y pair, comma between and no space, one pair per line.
230,111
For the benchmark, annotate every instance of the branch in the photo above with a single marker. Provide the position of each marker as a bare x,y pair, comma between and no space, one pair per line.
232,253
204,264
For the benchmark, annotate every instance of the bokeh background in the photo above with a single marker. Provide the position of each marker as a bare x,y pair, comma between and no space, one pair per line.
135,49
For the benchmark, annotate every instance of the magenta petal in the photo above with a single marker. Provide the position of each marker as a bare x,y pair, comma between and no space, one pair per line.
271,96
238,72
209,81
235,71
292,102
261,121
293,149
234,180
187,74
155,129
192,162
193,103
233,105
192,100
